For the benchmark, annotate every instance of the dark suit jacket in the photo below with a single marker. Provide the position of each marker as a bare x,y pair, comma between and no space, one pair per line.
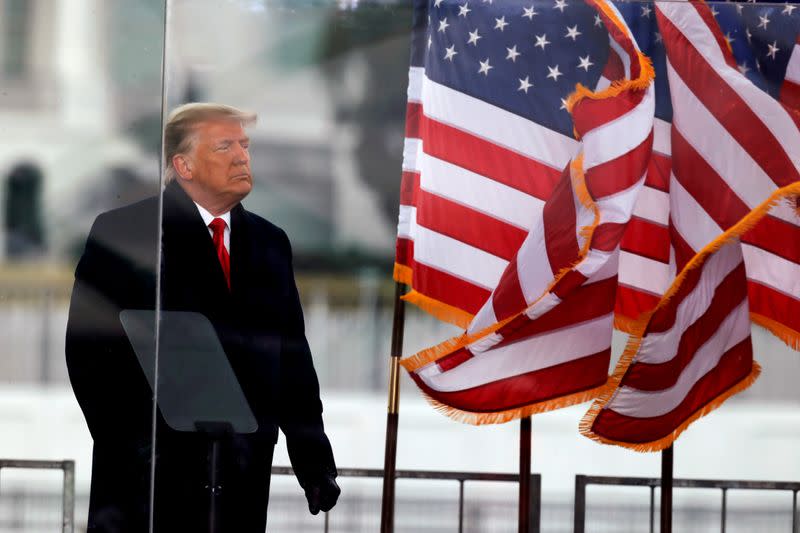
260,324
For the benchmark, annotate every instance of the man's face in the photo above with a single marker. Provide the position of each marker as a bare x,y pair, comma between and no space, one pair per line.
220,162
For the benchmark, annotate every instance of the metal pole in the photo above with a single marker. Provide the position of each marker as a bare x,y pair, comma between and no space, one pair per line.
580,504
666,490
723,518
68,498
392,417
524,474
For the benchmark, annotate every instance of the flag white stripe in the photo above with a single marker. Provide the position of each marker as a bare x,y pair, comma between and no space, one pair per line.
717,147
497,125
661,347
771,270
478,192
644,273
689,218
551,348
457,258
662,137
618,137
646,404
407,222
793,68
775,118
652,205
618,207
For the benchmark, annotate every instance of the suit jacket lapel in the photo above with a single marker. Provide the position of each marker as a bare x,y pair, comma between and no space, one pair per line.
188,244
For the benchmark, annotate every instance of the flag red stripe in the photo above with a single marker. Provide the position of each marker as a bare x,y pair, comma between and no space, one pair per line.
790,94
658,172
683,252
708,17
409,187
619,174
590,113
608,236
735,365
404,252
589,302
704,184
776,236
647,239
508,298
482,157
773,304
559,226
632,302
733,113
468,225
613,69
413,116
654,377
568,283
526,389
664,319
448,289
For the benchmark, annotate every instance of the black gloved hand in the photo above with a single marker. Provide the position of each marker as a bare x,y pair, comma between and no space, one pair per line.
322,494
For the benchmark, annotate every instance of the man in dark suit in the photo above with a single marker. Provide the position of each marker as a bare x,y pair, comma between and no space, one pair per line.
235,268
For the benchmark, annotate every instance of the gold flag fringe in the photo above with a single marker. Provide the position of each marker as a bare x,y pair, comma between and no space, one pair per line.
501,417
665,442
639,326
783,332
624,323
440,310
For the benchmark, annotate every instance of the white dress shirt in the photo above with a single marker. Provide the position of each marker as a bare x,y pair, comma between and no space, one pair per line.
208,217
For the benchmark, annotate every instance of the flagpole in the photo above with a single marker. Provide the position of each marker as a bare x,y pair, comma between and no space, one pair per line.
666,490
524,475
390,453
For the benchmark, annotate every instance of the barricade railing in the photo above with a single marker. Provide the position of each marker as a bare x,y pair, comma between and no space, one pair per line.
68,490
460,477
724,485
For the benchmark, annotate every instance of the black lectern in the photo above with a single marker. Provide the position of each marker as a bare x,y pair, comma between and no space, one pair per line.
197,389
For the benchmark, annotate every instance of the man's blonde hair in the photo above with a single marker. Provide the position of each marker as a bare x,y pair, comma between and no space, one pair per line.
179,132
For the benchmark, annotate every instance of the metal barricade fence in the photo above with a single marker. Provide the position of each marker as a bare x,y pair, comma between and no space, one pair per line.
68,487
460,477
724,485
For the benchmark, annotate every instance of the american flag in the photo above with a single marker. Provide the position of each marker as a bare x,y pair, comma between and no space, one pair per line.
733,225
508,224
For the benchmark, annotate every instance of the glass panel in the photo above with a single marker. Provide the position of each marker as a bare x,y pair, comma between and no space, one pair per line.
77,141
329,82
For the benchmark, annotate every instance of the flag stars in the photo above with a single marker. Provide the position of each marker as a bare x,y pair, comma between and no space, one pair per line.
646,11
525,84
585,63
764,20
437,3
485,67
430,42
554,73
473,37
743,68
658,37
714,11
572,32
773,49
788,8
564,104
729,38
739,8
541,41
450,53
748,34
597,21
512,53
500,24
560,5
443,25
463,10
529,12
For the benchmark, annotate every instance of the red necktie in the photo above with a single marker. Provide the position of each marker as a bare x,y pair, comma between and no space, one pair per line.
218,227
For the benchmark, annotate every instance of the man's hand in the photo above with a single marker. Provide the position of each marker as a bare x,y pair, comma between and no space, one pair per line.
322,495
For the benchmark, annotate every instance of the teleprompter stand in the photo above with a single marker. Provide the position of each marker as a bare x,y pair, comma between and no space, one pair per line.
195,387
